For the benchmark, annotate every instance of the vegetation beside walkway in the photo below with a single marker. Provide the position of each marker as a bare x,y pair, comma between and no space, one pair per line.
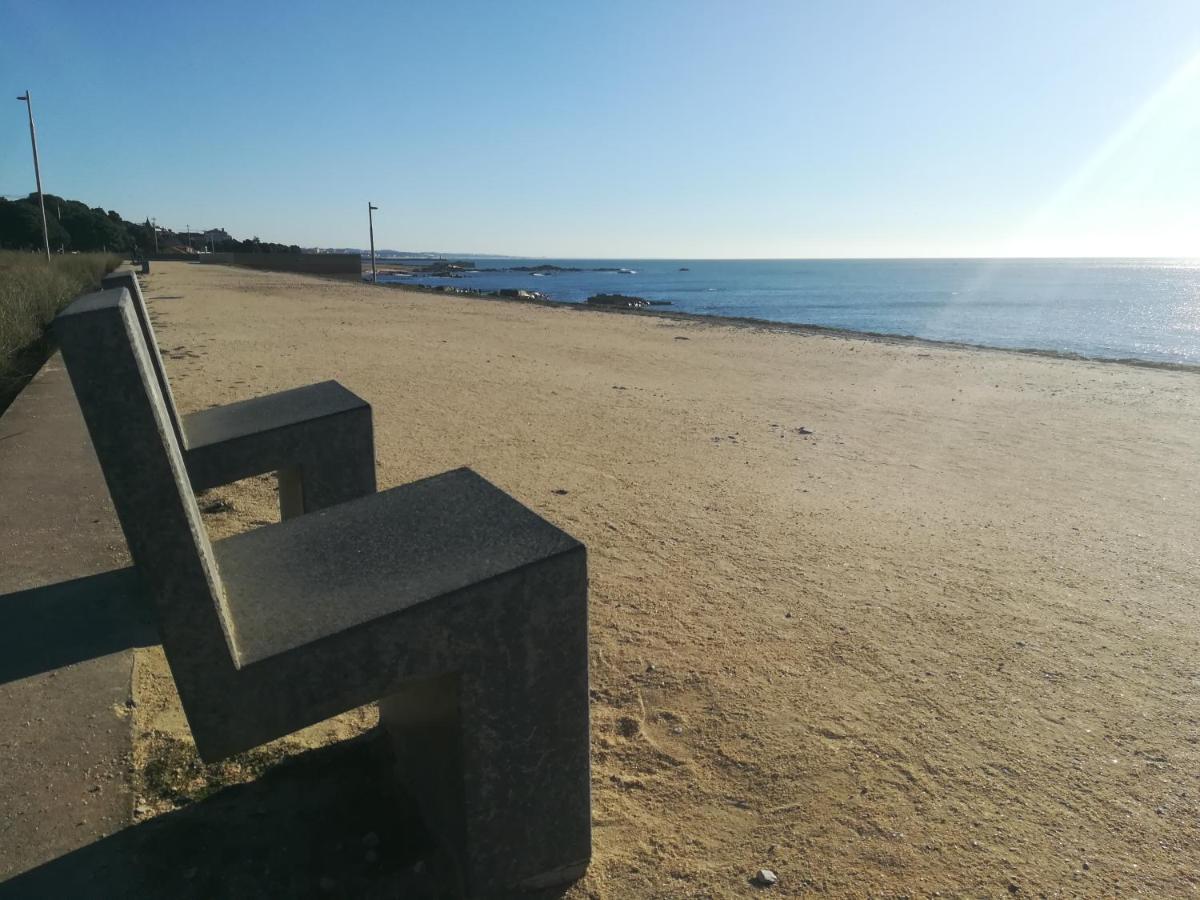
31,293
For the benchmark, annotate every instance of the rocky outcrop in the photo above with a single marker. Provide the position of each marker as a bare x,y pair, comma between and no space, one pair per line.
618,301
515,294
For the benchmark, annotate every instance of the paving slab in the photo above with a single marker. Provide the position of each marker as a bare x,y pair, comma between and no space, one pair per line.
70,612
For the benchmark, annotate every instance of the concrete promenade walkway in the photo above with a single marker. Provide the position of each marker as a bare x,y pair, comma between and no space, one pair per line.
69,614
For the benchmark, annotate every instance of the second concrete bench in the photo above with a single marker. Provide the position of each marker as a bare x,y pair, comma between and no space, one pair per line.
318,438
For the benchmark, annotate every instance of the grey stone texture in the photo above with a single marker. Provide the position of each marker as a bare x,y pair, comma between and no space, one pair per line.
461,610
318,438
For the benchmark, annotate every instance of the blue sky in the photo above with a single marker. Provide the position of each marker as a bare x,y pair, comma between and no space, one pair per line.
624,129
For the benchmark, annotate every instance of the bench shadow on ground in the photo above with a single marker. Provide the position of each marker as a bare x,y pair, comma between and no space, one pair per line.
329,822
325,823
55,625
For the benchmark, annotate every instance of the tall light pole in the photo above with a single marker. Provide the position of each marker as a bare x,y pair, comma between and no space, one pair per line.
371,224
37,173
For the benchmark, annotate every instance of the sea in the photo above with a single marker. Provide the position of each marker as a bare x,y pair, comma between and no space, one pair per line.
1145,309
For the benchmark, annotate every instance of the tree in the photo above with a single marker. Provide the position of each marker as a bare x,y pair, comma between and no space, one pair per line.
74,226
21,226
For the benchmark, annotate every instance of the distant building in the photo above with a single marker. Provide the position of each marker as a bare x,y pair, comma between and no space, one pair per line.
199,241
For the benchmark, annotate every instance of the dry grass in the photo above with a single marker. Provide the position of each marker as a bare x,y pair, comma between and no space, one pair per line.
31,293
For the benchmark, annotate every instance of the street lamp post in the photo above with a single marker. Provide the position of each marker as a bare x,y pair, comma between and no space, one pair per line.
371,223
37,173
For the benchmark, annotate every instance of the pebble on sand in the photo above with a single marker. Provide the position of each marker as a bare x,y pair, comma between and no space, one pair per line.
766,878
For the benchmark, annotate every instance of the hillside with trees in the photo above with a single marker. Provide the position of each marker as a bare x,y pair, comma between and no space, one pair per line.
74,227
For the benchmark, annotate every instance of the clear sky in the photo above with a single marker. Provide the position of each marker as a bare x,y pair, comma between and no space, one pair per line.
624,129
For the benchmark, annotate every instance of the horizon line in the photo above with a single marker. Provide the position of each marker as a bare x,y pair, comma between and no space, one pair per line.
415,254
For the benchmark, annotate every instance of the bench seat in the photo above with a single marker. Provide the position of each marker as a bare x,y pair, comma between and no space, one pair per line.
318,575
270,412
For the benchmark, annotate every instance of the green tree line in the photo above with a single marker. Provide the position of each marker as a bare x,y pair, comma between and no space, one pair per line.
75,227
72,226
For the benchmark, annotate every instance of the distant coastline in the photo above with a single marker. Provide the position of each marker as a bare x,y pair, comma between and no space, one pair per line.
766,325
1092,309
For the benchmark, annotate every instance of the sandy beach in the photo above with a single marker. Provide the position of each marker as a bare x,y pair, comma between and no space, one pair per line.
889,619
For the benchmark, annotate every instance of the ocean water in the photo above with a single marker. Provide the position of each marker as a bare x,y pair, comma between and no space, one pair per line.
1114,308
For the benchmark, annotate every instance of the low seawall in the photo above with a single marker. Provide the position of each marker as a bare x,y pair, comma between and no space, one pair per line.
311,263
339,264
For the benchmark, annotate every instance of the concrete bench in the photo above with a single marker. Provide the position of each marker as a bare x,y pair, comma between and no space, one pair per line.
317,438
460,610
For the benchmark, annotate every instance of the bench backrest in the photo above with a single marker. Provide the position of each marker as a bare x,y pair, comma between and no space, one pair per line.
127,279
111,370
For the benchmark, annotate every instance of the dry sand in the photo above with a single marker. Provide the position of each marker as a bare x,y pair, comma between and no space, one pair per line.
948,641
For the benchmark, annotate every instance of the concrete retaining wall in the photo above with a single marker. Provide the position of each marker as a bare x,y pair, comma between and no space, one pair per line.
311,263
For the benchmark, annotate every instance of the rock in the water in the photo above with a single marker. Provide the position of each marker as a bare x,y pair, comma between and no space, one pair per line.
766,878
618,301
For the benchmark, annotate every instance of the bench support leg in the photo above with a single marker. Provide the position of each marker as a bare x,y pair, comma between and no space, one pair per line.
325,480
339,473
291,492
497,757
